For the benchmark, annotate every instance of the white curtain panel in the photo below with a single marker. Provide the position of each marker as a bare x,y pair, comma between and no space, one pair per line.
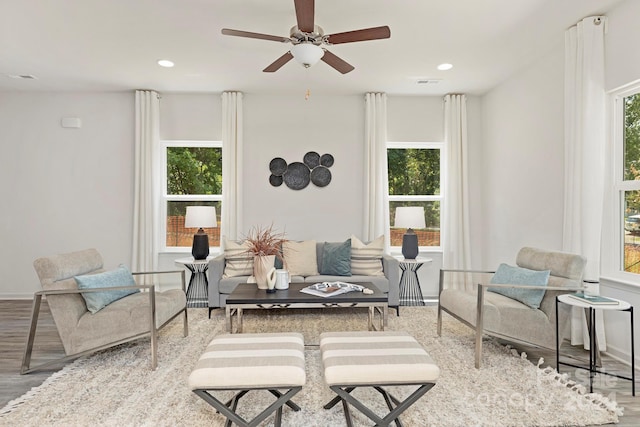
146,182
455,224
376,191
585,140
232,207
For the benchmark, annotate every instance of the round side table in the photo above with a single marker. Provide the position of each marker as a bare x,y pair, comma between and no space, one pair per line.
410,292
591,308
198,289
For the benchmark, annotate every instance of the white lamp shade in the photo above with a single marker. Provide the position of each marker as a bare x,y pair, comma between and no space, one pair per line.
200,217
307,53
410,217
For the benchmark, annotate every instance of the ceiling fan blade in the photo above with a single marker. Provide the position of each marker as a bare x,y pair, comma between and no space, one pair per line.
275,65
304,15
238,33
360,35
337,63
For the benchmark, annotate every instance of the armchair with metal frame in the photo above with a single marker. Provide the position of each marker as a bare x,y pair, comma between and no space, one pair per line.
135,316
502,317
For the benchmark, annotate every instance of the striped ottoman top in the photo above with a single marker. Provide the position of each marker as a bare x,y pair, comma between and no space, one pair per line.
375,358
248,361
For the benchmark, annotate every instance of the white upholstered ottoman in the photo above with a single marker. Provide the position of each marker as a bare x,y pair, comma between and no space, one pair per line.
375,359
245,362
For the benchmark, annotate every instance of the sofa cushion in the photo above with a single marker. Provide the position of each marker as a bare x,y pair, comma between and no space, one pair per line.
509,275
96,301
300,258
238,259
336,258
366,259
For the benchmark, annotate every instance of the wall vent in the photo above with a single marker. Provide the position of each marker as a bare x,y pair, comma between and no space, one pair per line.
428,81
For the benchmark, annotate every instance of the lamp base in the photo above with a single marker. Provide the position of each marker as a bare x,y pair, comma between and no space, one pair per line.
200,248
410,245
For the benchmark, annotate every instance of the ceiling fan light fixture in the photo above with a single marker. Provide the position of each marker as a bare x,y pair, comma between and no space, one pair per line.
307,53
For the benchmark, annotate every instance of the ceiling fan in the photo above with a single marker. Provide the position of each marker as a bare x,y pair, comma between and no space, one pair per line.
307,39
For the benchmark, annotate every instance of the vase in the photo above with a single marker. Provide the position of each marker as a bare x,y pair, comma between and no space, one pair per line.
262,266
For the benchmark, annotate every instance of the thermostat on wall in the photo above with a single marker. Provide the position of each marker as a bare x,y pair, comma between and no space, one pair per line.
71,122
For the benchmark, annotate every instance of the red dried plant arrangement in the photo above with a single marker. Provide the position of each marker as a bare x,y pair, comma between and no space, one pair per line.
263,241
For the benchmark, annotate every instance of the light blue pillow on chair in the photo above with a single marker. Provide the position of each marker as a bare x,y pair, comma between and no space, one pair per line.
96,301
509,275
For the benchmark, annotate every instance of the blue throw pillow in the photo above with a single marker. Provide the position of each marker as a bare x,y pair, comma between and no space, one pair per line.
336,259
96,301
509,275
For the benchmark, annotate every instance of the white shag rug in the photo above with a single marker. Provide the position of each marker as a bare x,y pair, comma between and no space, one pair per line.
116,387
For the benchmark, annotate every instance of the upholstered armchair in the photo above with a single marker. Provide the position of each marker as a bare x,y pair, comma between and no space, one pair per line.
84,327
464,295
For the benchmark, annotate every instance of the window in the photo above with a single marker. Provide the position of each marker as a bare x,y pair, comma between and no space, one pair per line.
193,177
415,170
626,134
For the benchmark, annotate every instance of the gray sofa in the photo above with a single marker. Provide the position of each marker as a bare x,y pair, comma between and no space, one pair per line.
220,288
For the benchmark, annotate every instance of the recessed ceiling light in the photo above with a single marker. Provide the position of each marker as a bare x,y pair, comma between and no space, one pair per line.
445,67
165,63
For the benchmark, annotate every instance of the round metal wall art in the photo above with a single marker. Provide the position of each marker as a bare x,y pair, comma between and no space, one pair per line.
278,166
311,159
326,160
321,176
297,175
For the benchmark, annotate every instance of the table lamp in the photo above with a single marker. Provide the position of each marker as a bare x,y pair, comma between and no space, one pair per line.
410,217
200,217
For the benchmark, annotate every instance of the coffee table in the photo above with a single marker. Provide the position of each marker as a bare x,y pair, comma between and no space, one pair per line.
250,297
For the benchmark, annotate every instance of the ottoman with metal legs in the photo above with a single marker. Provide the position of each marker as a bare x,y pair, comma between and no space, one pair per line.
375,359
247,362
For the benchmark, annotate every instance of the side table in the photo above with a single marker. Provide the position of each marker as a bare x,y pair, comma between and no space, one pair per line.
198,289
410,292
593,348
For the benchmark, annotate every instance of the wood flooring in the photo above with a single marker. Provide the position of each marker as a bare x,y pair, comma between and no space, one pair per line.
14,325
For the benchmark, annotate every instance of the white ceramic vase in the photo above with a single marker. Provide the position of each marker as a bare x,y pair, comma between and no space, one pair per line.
262,266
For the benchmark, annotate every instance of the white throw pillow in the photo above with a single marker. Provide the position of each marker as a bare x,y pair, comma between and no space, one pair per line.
238,259
300,258
366,259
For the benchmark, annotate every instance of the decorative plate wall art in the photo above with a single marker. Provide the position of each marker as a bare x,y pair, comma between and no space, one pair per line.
297,175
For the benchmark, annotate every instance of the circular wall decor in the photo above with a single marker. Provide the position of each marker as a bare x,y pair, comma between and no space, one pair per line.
278,166
276,180
320,176
311,159
297,176
326,160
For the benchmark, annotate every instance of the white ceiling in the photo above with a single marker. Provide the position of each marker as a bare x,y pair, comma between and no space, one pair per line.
113,45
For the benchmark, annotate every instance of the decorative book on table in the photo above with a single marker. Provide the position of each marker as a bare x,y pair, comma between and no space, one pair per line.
593,299
329,289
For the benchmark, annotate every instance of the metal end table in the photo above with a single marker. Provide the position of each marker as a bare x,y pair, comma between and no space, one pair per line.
593,347
198,289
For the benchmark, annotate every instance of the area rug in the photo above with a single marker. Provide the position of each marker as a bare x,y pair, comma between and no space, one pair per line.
116,387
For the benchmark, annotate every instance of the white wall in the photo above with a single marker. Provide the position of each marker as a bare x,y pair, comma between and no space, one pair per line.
523,152
622,57
288,127
63,189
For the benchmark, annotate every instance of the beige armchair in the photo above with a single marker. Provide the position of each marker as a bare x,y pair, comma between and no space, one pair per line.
135,316
500,316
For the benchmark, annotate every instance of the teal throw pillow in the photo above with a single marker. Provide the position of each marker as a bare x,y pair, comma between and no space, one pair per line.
336,259
96,301
509,275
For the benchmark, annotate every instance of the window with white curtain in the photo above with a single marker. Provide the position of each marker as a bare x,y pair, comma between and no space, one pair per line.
192,176
415,171
626,143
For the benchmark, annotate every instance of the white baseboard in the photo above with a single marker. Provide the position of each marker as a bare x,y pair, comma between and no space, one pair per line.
620,355
15,296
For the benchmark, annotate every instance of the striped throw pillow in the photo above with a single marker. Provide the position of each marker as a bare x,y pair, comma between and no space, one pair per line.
366,259
238,259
